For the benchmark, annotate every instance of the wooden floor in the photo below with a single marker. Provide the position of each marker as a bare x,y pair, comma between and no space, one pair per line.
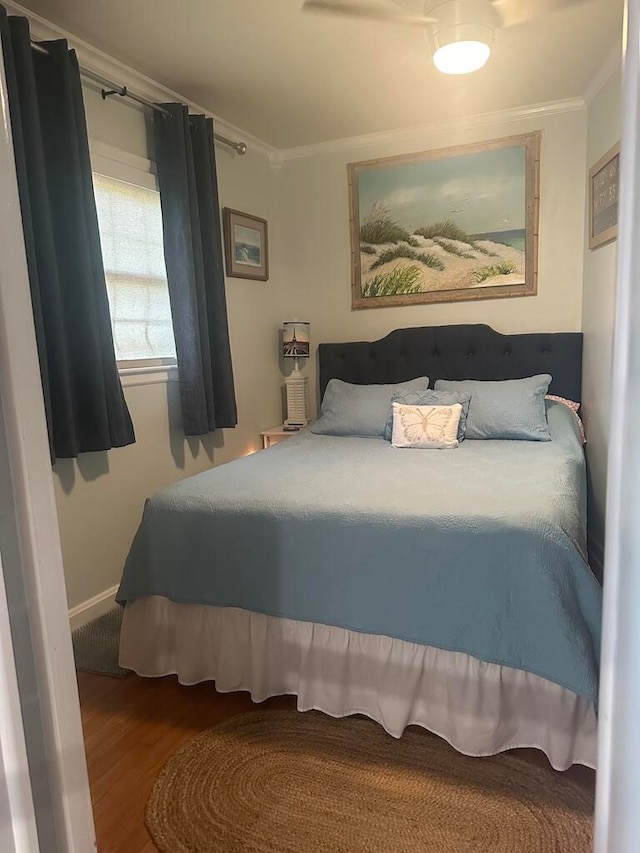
133,725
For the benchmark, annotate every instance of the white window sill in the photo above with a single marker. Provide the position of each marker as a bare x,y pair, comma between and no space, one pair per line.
145,374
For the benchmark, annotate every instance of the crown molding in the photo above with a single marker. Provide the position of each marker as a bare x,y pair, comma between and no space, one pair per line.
101,63
602,76
422,131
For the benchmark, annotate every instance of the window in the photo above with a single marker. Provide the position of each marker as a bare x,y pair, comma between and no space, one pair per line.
130,225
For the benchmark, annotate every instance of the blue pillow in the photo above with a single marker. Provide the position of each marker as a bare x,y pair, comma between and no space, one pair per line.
431,398
511,409
360,409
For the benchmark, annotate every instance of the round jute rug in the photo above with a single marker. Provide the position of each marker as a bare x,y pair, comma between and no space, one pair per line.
286,782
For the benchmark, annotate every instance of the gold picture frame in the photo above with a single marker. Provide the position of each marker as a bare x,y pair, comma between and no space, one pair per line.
246,245
447,225
604,181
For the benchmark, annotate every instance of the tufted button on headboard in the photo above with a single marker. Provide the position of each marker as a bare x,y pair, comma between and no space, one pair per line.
457,352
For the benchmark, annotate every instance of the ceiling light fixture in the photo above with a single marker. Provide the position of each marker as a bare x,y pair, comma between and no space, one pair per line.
461,34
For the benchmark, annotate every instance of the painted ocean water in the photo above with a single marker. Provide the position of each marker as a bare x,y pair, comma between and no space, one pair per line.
515,237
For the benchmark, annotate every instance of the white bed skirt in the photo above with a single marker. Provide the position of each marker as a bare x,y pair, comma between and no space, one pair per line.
479,708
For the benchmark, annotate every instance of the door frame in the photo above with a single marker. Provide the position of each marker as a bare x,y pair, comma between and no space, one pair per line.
34,517
618,779
18,832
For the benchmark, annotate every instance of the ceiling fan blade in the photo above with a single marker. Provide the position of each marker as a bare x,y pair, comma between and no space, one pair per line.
514,12
364,11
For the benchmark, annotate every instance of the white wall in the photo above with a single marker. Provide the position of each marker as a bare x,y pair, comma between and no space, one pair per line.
598,309
101,495
316,264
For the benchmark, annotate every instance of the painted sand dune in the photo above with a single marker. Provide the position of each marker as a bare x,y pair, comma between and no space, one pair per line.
438,262
431,224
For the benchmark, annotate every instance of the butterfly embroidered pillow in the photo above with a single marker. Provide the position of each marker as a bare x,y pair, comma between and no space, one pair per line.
433,427
430,398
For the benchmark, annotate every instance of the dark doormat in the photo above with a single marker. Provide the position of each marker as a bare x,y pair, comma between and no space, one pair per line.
96,645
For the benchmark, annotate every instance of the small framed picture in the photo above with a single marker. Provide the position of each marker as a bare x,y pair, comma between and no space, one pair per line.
604,180
246,248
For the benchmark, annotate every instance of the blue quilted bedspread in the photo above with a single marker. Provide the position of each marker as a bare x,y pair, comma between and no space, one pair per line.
480,549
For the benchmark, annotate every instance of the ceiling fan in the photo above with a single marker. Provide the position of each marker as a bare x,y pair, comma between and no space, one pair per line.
461,31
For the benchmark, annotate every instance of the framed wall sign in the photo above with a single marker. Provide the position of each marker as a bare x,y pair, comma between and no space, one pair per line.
246,247
604,180
448,225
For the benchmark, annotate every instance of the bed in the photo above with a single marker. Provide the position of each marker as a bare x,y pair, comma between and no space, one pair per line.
445,589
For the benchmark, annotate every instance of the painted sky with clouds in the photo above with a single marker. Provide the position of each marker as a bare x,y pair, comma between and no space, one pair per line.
480,192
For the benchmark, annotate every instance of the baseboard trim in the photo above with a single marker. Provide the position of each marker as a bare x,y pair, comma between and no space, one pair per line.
89,610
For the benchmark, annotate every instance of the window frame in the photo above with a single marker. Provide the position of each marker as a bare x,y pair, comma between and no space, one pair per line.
112,162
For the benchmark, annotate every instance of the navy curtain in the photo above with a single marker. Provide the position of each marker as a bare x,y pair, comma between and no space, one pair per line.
84,402
193,254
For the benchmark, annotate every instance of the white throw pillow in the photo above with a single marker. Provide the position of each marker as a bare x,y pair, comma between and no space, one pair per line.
426,426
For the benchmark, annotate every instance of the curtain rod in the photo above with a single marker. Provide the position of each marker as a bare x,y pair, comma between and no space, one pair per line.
115,89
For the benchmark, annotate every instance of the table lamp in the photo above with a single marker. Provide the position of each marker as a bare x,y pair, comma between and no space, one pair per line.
295,345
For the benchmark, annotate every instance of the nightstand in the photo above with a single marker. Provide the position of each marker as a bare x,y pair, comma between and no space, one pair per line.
275,435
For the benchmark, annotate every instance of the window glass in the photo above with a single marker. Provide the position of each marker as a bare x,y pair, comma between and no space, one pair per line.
130,224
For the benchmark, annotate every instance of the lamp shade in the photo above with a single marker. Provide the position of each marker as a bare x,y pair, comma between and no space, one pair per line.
461,57
295,339
461,34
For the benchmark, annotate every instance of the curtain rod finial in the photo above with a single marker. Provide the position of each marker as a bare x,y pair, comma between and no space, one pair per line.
241,148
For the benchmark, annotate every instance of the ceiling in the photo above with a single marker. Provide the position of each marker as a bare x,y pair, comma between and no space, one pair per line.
293,79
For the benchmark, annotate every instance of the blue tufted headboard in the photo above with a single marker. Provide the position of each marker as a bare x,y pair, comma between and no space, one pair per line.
457,352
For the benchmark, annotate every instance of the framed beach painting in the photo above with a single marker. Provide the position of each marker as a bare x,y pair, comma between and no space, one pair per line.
604,179
447,225
246,248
